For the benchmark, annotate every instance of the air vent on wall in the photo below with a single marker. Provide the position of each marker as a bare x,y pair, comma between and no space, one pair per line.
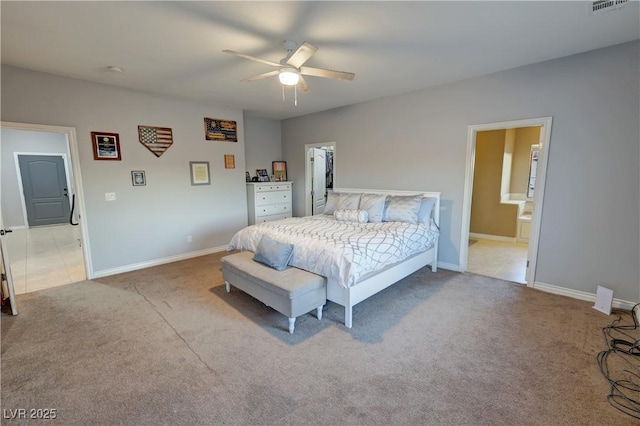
601,6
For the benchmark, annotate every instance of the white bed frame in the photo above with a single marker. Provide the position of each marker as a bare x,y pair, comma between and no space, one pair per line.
349,297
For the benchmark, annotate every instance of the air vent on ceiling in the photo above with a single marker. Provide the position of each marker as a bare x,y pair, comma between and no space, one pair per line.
601,6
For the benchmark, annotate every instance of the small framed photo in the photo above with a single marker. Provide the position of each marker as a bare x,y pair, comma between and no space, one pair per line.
106,146
199,172
262,174
138,178
279,170
229,161
247,176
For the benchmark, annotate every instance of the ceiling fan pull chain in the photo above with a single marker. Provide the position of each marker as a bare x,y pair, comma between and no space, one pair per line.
282,92
295,95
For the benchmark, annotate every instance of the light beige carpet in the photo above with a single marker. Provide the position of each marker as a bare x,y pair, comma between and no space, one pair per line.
168,345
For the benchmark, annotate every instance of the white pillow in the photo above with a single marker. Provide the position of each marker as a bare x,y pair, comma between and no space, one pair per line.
374,205
402,208
360,216
348,201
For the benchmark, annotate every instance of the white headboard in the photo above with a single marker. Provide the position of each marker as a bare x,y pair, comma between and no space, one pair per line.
435,214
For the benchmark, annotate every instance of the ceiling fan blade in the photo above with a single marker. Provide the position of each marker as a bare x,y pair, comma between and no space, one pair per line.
300,56
321,72
252,58
261,76
302,86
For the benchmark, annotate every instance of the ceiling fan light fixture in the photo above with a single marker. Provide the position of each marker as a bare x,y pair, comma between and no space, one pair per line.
289,76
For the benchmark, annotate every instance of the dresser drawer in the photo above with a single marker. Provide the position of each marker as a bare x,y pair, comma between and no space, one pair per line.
274,187
273,209
275,197
272,217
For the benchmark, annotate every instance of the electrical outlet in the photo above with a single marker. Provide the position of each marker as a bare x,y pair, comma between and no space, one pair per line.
189,239
110,196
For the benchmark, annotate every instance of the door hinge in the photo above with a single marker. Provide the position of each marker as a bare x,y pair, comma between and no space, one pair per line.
527,263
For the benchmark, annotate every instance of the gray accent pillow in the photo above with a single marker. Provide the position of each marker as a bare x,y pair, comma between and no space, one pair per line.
402,208
332,202
348,201
374,205
273,253
426,207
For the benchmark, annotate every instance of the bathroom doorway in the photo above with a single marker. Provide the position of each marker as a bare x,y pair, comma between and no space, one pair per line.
504,189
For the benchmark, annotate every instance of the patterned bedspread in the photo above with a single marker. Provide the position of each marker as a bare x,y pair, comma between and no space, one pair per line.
340,250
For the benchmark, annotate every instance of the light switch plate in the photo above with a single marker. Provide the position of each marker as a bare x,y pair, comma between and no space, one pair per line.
110,196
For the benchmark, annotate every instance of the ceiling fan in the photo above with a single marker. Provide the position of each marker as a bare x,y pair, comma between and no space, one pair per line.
290,69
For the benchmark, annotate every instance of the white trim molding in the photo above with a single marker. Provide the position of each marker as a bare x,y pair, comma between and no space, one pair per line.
581,295
157,262
492,237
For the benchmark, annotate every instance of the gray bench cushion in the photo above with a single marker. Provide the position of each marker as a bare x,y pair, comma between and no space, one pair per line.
292,292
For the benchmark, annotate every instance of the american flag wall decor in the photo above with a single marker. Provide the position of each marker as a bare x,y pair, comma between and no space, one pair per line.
220,130
156,139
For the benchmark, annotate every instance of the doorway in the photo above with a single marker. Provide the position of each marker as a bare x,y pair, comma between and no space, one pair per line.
44,184
48,245
319,175
506,222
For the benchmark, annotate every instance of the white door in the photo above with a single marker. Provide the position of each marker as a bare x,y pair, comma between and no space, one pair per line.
7,280
319,176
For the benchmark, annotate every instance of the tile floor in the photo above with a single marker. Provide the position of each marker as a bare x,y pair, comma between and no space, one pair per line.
45,257
498,259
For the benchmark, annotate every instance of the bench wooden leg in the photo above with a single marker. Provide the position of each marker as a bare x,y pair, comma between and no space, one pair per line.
292,324
226,283
319,312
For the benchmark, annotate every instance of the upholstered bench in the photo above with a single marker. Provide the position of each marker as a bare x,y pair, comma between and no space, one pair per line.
291,292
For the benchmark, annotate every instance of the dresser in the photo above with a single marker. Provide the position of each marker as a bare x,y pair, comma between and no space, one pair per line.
268,201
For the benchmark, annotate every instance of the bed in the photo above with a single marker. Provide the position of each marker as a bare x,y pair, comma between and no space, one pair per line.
358,257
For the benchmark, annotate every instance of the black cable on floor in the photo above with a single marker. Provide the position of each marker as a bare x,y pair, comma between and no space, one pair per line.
620,363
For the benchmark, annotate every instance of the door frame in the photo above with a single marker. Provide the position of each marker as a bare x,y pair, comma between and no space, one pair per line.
545,138
72,142
308,172
21,187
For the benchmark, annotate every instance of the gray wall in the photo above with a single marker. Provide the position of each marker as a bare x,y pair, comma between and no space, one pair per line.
149,222
12,141
263,139
417,141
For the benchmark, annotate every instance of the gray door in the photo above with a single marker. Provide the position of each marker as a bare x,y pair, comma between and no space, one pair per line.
44,182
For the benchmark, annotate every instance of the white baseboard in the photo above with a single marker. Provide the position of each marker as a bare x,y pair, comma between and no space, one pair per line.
492,237
581,295
156,262
448,266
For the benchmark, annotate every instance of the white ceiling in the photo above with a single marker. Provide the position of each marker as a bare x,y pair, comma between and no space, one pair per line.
175,48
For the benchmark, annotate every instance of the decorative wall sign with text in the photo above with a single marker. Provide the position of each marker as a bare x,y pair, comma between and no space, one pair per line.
220,130
156,139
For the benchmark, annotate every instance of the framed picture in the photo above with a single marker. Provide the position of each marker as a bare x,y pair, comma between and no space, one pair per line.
220,130
262,174
106,146
229,161
279,170
199,172
247,176
138,178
